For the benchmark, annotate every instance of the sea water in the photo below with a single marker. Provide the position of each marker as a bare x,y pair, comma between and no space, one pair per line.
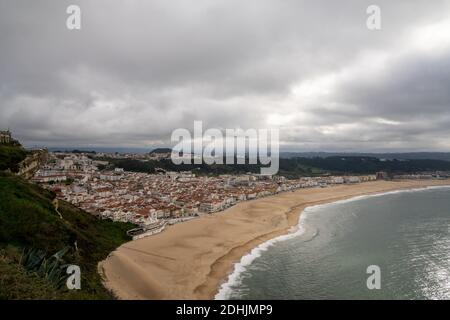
405,233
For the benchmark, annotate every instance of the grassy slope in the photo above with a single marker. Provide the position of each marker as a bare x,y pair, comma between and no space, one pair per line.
10,156
28,219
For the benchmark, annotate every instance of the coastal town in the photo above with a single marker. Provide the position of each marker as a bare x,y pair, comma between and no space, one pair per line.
153,200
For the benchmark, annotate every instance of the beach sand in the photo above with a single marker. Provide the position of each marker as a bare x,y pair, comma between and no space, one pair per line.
190,260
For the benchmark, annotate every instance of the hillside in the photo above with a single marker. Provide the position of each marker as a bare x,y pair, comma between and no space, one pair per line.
28,220
294,167
389,156
160,150
10,156
362,165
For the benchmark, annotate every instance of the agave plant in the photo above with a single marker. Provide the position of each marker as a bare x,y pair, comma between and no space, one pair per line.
32,258
53,268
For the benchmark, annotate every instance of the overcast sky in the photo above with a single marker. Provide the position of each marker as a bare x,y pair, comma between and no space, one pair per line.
137,70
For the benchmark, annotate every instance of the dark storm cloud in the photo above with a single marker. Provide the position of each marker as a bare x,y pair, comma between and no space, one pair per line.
139,69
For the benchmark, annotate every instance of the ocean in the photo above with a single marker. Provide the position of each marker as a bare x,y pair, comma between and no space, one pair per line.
406,234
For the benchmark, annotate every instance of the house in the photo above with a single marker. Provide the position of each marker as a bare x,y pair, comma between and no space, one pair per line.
382,175
5,136
352,179
337,180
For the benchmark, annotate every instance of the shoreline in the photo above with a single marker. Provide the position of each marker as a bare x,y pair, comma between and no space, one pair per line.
300,230
192,260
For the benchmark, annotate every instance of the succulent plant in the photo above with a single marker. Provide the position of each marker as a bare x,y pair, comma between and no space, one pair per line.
53,268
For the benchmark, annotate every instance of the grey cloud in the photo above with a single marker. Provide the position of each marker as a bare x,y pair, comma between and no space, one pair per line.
137,70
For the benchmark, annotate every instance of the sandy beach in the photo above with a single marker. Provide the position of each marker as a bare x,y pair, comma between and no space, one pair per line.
190,260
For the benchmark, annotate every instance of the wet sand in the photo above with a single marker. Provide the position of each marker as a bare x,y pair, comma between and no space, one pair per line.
190,260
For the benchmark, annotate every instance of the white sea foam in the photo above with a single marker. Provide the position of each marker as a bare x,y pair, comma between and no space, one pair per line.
235,278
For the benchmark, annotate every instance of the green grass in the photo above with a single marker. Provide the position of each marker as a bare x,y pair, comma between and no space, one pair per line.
28,219
10,156
17,283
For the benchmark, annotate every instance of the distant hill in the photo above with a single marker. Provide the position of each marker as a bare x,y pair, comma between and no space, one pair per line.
362,165
100,149
295,167
161,150
445,156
